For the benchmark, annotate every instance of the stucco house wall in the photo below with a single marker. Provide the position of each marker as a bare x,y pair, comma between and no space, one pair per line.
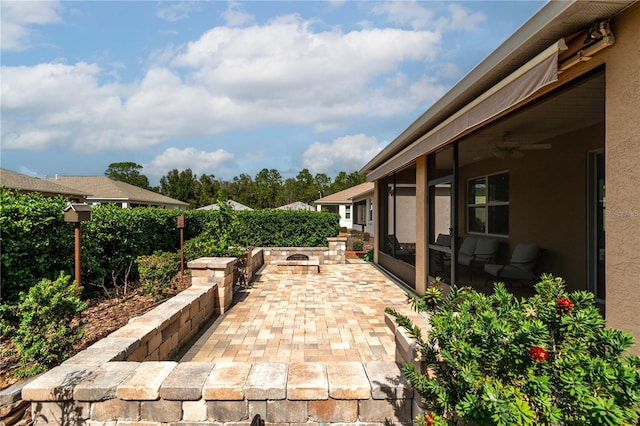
559,214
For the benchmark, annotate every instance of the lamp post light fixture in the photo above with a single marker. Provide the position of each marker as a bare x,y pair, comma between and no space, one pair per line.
76,213
181,226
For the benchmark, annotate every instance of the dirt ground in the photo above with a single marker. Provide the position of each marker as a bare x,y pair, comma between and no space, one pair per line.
104,315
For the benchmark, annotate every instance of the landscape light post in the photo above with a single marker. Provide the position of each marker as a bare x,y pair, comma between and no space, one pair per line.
76,213
181,226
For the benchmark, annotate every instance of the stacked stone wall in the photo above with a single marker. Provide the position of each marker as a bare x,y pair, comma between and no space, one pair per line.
128,377
335,253
168,393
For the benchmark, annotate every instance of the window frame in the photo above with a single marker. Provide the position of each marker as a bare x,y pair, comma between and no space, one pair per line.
486,204
347,212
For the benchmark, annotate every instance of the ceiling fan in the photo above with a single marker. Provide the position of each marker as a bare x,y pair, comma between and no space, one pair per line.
511,149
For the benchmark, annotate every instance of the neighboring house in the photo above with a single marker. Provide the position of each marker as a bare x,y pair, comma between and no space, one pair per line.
105,190
234,205
298,205
521,150
354,205
26,184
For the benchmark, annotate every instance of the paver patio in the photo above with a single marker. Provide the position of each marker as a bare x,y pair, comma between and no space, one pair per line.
337,315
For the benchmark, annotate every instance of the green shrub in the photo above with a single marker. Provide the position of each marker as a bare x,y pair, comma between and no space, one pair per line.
35,241
157,271
364,236
357,245
369,256
284,228
497,360
47,326
114,238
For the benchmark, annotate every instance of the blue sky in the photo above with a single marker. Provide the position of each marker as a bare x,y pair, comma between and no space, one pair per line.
226,88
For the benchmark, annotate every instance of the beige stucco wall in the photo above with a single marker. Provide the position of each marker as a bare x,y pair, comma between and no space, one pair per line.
548,202
623,175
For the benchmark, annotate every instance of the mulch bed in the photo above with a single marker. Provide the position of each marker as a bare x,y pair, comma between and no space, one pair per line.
105,314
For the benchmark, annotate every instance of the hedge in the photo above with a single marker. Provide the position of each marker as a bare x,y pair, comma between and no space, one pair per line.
36,243
285,228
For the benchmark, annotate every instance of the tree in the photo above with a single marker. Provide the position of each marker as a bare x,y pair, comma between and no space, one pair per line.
344,181
182,186
128,172
268,184
323,183
306,190
209,189
240,189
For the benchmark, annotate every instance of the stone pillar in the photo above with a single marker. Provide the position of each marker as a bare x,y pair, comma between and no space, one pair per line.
337,248
219,270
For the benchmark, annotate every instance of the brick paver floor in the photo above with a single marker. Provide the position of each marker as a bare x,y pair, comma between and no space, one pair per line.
337,315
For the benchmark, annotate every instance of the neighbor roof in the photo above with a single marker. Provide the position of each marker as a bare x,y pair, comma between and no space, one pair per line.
298,205
234,205
104,188
554,20
14,180
345,197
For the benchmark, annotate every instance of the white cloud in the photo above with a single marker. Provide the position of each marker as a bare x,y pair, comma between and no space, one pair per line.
33,139
346,153
235,16
17,19
281,73
176,11
406,13
462,19
418,16
188,158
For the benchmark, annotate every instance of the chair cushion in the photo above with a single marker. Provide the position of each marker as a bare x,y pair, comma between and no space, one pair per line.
509,272
525,255
492,269
486,247
443,240
515,273
468,247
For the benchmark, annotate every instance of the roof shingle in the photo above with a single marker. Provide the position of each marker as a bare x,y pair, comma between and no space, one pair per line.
104,188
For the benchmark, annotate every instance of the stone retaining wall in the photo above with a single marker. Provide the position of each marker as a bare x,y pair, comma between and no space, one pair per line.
192,393
128,378
333,254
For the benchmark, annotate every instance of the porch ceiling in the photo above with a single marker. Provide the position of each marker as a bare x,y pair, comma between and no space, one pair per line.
573,109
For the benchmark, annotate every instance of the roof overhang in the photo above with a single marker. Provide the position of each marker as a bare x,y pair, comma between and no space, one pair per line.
555,20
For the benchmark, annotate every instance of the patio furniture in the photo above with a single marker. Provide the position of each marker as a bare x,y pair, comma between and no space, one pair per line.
474,252
477,252
400,249
519,267
441,257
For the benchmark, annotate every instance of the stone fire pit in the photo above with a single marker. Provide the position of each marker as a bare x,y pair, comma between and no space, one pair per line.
299,264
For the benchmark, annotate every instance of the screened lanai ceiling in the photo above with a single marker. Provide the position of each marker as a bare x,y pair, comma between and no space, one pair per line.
573,109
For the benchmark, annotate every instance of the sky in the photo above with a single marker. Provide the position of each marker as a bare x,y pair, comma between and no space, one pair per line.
229,87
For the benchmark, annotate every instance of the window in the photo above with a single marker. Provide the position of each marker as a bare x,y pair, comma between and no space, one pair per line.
347,212
370,209
488,205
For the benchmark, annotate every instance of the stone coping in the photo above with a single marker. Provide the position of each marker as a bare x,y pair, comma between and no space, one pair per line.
166,392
